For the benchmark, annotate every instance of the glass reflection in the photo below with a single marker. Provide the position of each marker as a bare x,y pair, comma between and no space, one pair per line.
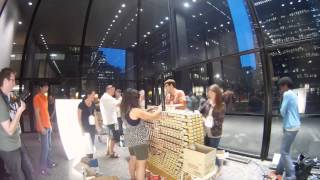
202,37
287,21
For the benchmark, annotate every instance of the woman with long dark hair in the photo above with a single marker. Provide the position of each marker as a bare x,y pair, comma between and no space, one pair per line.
88,123
135,134
213,111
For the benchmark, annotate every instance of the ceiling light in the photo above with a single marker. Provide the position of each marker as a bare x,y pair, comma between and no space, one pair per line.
109,29
200,14
113,21
42,38
148,33
215,28
125,27
206,22
123,5
157,26
30,3
20,22
209,30
282,5
132,20
53,55
107,32
194,1
119,11
116,16
166,18
299,0
41,35
198,35
228,22
136,14
193,16
145,35
291,3
135,43
141,10
186,5
110,25
14,43
221,25
13,55
161,22
132,45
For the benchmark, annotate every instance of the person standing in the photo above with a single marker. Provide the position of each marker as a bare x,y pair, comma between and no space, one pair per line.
43,124
174,96
87,122
135,134
291,125
213,111
108,109
118,97
10,141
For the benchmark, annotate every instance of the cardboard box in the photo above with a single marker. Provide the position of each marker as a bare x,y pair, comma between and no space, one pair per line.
200,161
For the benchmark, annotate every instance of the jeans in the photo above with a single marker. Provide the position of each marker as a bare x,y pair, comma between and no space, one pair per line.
214,142
92,132
13,163
120,122
46,145
285,163
26,164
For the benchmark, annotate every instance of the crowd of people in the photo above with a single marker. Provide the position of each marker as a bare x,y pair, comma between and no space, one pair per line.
123,116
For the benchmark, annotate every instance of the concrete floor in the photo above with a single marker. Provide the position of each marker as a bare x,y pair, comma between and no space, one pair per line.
119,167
244,133
241,133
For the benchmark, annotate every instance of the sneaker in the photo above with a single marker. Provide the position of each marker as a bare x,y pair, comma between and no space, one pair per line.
44,173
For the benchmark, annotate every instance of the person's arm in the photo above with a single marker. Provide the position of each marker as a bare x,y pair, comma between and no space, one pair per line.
138,113
284,105
203,107
10,127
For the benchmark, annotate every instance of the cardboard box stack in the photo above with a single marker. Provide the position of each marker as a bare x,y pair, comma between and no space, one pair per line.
169,136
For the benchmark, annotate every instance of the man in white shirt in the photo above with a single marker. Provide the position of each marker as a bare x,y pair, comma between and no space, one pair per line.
108,109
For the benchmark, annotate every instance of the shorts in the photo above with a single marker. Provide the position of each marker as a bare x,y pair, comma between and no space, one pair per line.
115,134
139,151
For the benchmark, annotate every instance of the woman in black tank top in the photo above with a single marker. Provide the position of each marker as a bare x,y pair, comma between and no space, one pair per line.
136,133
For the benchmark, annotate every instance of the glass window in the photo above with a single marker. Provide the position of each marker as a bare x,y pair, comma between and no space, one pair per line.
112,29
54,36
299,62
201,37
242,82
15,20
288,21
154,49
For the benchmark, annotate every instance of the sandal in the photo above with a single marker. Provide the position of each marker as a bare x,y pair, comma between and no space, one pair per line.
115,155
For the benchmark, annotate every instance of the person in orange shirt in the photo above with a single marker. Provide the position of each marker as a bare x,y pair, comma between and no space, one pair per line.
174,96
43,125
